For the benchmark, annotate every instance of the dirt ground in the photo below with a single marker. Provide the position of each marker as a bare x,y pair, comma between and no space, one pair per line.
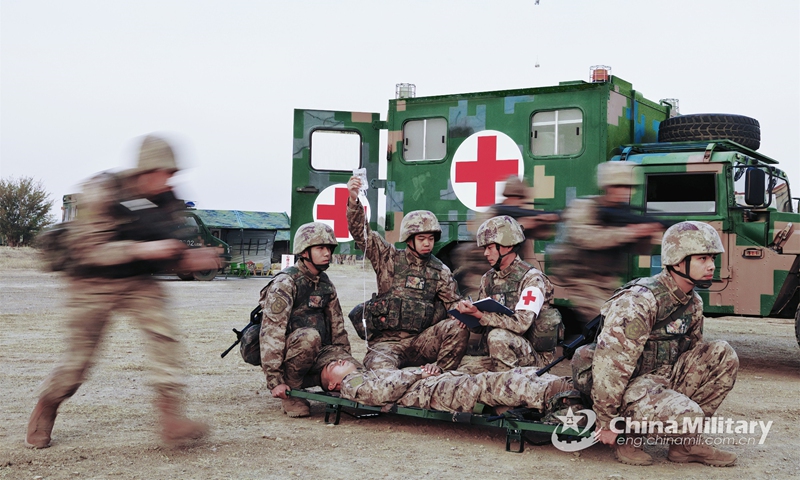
109,430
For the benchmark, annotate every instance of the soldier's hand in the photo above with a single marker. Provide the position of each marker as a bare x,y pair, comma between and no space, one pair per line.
280,391
430,370
354,186
159,249
642,230
199,259
605,436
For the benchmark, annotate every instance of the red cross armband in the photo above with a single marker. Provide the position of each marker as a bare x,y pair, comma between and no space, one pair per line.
531,299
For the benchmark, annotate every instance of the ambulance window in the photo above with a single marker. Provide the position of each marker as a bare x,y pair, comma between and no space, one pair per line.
681,193
557,132
425,139
335,150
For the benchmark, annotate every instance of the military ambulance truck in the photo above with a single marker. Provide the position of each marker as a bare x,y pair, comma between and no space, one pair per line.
451,154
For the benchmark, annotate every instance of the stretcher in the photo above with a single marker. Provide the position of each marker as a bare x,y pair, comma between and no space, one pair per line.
516,422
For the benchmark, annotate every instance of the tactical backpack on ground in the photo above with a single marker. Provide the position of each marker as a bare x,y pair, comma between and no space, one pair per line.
248,339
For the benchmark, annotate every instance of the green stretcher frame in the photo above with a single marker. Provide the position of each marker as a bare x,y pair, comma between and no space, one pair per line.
514,426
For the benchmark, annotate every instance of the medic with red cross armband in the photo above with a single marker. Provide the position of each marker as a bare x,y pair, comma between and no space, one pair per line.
529,336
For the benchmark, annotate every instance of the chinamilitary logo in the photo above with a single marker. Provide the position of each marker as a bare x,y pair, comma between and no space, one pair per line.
570,422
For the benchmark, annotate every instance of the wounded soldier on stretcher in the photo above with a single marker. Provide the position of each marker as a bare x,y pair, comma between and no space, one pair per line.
427,387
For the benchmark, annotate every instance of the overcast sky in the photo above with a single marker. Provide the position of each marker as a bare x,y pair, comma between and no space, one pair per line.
81,80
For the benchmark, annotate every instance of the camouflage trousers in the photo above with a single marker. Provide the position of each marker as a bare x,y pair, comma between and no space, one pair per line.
91,304
694,387
306,356
444,343
509,350
459,392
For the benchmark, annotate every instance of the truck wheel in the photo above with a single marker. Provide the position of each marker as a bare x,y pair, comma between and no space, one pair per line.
743,130
204,275
186,276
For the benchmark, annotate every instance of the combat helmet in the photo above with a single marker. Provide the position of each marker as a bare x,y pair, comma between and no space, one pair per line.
155,154
419,221
617,173
502,230
515,188
685,239
312,234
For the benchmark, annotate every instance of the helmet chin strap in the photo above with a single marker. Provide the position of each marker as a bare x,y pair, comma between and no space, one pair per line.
697,283
320,268
500,256
423,256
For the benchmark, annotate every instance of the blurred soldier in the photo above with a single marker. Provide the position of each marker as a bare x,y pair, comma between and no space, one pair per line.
517,204
651,361
529,337
593,254
124,233
428,388
303,327
407,322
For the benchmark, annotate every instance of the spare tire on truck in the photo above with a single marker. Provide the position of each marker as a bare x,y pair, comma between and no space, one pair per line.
743,130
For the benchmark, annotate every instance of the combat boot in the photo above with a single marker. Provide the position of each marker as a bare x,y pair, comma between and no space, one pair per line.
175,427
701,453
631,455
40,425
296,407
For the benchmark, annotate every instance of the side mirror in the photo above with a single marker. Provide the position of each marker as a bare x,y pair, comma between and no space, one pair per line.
754,186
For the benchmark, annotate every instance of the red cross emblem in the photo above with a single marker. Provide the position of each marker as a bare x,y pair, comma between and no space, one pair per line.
331,207
481,165
529,298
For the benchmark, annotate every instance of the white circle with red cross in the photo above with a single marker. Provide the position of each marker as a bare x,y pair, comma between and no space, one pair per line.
481,166
330,208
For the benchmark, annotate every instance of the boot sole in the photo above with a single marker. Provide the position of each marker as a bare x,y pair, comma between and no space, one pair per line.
696,459
36,447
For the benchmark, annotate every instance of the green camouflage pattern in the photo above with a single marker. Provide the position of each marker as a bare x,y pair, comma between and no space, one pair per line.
502,230
618,173
313,234
754,276
689,238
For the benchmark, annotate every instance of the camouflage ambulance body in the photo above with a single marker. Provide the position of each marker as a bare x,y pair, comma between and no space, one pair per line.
443,150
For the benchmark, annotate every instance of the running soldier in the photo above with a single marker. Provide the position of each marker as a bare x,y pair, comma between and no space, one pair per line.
426,387
651,361
529,337
302,329
592,255
407,323
125,232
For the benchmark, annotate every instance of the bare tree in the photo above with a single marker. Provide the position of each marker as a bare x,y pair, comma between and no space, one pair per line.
24,210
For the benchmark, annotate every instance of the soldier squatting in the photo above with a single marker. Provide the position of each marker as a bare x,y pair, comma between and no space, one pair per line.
649,362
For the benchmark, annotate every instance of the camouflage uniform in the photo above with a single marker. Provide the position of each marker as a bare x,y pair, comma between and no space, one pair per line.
413,331
453,391
664,373
591,258
106,278
509,340
302,329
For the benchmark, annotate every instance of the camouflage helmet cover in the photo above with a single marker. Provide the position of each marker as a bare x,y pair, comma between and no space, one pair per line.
502,230
617,173
312,234
155,154
689,238
419,221
515,188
